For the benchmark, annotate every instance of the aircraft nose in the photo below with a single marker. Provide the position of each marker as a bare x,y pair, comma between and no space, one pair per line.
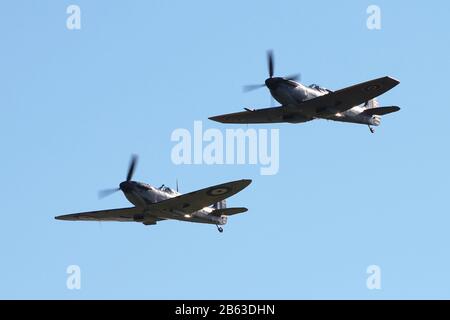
271,83
125,186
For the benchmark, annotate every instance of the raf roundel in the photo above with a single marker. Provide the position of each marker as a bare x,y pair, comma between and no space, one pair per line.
372,87
218,191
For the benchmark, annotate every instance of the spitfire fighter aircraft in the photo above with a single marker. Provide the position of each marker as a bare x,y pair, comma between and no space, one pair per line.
300,103
156,204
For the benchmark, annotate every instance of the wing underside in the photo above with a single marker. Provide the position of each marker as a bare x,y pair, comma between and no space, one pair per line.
122,215
267,115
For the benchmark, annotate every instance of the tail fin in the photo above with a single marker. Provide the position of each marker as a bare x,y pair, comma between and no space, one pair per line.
372,104
220,205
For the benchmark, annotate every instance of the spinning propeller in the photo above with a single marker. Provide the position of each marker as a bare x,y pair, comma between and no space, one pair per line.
131,168
270,65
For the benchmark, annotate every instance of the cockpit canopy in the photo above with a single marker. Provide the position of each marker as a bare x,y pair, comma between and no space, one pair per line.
166,189
318,88
169,190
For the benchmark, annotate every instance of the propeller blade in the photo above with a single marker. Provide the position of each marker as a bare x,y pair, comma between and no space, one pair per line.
252,87
107,192
293,77
131,167
177,185
270,62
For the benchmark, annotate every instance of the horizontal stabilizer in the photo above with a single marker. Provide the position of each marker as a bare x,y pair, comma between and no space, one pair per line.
381,111
228,211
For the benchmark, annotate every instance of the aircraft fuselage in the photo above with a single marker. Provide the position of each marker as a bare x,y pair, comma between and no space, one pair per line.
291,93
143,195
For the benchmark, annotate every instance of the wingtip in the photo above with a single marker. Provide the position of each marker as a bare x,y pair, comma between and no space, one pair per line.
396,81
216,119
63,217
228,118
242,183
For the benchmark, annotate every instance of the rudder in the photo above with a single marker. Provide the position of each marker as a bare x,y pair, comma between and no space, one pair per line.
220,205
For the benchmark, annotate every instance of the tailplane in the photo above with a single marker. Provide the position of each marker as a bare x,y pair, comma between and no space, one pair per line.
381,111
228,211
220,209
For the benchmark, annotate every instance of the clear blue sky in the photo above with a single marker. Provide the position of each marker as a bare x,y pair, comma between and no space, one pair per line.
76,104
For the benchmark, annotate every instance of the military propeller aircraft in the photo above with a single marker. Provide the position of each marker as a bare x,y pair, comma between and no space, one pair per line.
300,103
156,204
